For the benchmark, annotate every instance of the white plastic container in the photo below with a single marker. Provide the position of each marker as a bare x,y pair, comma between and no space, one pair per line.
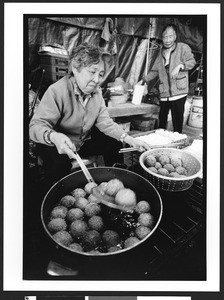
138,94
196,113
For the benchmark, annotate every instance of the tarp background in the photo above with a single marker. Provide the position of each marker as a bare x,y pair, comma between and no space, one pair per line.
126,38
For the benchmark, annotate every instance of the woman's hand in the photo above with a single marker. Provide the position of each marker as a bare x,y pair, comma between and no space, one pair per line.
136,143
176,71
63,144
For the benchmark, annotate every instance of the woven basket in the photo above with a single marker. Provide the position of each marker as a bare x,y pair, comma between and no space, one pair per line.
119,99
192,164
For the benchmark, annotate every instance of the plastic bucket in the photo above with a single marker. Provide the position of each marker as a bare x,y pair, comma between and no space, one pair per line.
196,113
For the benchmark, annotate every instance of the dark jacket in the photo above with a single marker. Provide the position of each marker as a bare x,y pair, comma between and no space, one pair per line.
168,87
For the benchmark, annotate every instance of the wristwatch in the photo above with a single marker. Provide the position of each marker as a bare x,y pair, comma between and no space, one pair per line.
46,136
123,136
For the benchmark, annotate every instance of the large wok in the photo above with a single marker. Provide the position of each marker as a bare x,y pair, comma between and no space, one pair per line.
143,188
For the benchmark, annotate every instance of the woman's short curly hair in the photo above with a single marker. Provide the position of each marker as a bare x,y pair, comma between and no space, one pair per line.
85,55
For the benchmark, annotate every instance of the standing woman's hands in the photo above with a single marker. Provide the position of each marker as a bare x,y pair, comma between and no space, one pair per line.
176,71
63,144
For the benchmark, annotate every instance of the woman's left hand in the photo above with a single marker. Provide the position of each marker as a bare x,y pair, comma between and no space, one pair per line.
136,143
176,71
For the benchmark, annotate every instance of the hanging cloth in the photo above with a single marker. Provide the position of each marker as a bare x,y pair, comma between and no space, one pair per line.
106,33
109,34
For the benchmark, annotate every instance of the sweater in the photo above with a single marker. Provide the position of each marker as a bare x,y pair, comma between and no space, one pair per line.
62,109
168,87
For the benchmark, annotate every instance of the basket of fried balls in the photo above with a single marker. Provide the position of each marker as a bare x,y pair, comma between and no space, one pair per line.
170,169
79,222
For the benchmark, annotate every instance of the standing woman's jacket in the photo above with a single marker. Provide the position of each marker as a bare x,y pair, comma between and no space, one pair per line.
168,87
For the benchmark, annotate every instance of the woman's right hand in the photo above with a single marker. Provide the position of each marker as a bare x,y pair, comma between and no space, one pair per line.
63,144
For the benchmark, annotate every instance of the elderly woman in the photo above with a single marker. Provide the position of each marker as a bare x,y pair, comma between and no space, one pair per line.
172,65
68,111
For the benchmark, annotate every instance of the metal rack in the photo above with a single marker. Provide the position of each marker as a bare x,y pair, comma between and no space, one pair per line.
199,81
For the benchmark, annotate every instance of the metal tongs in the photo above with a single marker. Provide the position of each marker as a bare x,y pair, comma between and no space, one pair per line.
184,143
97,192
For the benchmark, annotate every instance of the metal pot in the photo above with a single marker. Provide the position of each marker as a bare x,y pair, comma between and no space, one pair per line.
142,187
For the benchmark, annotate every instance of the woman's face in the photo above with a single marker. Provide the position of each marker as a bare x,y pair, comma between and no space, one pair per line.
90,77
169,37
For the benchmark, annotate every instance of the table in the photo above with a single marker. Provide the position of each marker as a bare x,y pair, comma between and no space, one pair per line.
129,109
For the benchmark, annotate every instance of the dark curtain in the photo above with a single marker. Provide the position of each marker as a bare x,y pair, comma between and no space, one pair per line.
124,38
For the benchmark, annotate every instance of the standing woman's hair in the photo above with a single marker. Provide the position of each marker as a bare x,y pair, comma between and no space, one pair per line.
170,25
85,55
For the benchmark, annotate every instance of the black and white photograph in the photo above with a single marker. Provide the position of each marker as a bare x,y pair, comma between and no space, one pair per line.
108,114
118,149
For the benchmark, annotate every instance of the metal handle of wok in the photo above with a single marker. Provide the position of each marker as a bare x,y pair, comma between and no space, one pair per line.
83,167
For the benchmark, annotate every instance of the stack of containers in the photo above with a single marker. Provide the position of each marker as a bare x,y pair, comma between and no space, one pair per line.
143,122
55,65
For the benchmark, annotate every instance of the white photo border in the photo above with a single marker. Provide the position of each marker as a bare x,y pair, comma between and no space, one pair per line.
13,140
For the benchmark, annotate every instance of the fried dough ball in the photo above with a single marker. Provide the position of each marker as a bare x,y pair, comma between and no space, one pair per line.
126,197
78,228
103,186
163,171
175,155
142,207
111,238
142,231
76,247
68,201
150,160
78,192
63,237
130,242
153,169
56,224
176,162
91,239
175,174
169,168
75,214
158,165
114,249
81,203
164,159
96,223
113,186
93,199
92,209
181,170
146,219
59,212
88,187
